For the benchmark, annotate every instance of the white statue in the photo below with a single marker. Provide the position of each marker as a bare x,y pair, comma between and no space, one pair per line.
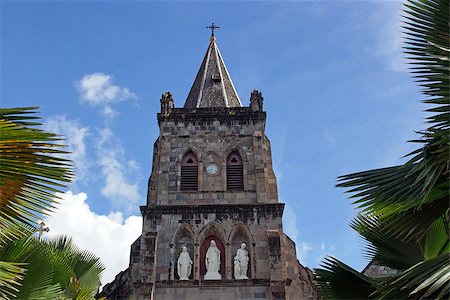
184,264
237,268
242,259
212,261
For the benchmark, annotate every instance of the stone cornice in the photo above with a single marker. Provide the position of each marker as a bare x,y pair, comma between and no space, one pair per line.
224,114
276,208
212,283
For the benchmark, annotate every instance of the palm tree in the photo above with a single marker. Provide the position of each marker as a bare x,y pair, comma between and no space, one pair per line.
404,210
56,269
31,172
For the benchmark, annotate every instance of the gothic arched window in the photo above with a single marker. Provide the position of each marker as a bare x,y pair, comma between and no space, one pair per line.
235,176
189,172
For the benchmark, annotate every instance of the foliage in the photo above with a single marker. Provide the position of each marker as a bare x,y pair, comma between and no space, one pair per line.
31,172
56,269
404,211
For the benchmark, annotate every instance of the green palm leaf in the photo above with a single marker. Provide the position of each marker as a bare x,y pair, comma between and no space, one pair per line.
425,280
55,269
384,248
404,211
336,280
10,276
30,171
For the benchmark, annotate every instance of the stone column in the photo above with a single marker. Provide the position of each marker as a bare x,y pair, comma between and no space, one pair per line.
178,184
223,176
200,176
196,266
172,262
253,260
228,259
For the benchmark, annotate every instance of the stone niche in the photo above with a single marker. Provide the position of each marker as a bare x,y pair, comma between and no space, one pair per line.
241,235
204,247
183,237
212,231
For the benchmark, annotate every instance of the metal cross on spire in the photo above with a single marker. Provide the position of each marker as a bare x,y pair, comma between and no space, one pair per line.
212,27
41,229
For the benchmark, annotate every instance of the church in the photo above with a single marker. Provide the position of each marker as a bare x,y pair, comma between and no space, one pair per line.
212,224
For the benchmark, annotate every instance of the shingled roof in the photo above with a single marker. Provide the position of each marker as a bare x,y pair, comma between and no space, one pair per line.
212,86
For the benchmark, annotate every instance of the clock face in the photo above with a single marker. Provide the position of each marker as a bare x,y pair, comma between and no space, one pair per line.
212,169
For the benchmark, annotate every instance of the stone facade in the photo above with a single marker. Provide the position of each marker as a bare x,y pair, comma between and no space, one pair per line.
212,134
173,218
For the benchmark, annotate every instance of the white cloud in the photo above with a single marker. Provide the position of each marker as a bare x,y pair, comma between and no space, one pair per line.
98,89
117,184
75,136
121,177
303,250
109,237
109,112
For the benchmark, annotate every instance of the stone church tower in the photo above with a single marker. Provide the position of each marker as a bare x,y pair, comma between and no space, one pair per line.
212,180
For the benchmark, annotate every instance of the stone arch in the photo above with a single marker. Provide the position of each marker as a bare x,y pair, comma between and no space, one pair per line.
245,164
186,149
189,172
242,227
183,236
238,148
235,172
180,155
184,229
212,228
238,235
212,231
217,155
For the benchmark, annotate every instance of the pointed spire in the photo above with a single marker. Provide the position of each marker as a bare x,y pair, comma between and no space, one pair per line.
212,86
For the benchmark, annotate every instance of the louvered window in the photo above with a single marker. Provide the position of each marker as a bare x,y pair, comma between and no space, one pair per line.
189,172
235,176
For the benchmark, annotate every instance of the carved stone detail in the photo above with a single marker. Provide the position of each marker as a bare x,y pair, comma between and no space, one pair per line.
166,103
256,100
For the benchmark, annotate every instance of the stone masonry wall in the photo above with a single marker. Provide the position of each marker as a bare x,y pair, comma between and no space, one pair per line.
212,138
214,291
231,224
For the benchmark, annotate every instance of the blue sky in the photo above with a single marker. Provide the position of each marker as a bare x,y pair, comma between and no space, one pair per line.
336,89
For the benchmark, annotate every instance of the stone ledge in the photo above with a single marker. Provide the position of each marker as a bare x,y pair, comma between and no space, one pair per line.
212,283
276,208
211,192
223,114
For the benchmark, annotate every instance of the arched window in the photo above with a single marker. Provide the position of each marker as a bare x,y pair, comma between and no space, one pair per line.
235,176
189,172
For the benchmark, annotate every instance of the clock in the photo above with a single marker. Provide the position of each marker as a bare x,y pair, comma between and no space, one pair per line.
212,169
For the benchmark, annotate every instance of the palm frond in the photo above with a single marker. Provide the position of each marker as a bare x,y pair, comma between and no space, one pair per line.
426,280
385,249
336,280
55,269
404,209
11,274
31,170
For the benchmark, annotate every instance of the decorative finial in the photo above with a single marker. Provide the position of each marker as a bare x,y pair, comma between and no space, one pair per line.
212,27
